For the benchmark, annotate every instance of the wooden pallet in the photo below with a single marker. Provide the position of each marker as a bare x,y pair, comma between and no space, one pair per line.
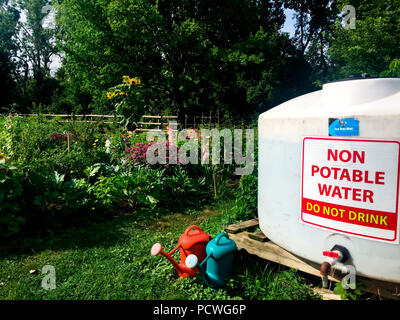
258,244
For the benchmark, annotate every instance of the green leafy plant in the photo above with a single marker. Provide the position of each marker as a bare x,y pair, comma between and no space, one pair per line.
245,206
394,69
127,98
10,192
347,294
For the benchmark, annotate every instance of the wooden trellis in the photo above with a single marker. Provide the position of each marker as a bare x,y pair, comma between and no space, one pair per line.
154,123
105,118
201,120
147,122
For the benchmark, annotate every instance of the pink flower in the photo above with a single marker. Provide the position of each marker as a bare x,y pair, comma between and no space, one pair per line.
205,152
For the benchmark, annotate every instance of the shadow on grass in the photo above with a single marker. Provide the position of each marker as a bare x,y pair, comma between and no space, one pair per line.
100,231
104,231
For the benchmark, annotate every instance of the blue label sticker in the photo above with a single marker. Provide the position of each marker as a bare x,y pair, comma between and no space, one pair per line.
344,127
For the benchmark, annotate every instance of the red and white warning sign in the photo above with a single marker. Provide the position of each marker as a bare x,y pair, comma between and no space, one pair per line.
351,186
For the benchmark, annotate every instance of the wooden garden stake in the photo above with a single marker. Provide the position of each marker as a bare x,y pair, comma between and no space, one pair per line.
215,186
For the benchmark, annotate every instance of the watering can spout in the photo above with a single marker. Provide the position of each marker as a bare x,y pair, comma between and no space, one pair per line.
157,249
192,262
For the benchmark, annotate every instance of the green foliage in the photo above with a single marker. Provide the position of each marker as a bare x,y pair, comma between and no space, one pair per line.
245,206
373,44
59,199
252,279
394,69
65,173
196,289
27,49
264,283
347,294
8,23
312,32
143,187
41,145
128,99
10,195
7,137
192,58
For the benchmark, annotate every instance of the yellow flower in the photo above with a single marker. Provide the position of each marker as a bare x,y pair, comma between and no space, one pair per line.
129,80
179,188
110,95
96,140
139,188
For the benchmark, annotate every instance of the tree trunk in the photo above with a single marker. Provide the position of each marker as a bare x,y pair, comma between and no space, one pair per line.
179,103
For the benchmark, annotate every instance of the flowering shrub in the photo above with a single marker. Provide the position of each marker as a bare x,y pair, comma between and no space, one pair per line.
127,98
103,170
137,154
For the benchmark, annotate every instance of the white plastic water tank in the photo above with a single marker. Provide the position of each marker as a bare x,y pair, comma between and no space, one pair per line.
329,174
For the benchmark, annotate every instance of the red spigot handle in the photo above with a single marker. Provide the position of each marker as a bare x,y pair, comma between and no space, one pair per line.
331,254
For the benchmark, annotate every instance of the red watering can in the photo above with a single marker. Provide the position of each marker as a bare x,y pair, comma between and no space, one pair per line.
192,241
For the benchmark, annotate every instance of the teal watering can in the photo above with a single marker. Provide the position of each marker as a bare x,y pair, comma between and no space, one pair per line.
219,259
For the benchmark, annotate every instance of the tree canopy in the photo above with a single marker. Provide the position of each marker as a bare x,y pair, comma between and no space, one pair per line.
373,44
191,56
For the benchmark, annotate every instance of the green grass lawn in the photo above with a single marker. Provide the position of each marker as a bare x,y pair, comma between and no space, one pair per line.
111,259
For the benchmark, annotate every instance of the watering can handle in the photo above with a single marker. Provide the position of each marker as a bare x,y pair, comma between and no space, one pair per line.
190,228
221,235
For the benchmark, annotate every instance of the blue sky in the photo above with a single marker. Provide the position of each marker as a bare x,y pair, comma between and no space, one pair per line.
289,22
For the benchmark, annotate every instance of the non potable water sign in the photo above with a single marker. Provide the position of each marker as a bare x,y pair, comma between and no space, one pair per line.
351,186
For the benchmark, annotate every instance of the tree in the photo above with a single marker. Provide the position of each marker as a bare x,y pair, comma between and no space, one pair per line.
373,44
26,51
313,29
36,47
8,21
192,56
